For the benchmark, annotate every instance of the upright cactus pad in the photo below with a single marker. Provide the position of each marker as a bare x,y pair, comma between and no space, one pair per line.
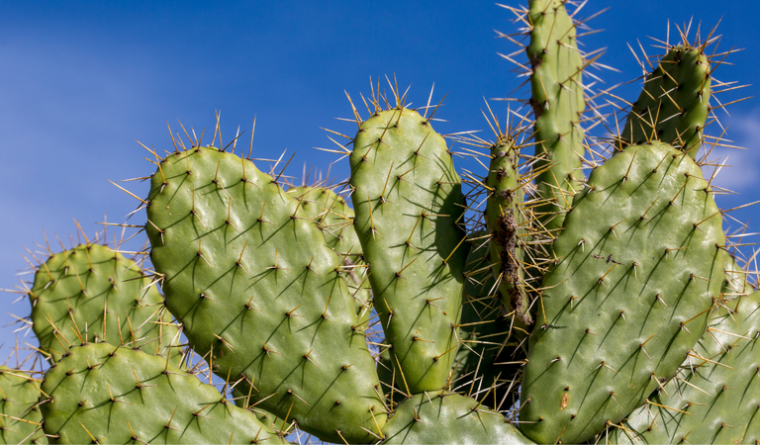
437,418
503,218
409,207
92,293
100,393
20,418
638,265
558,102
254,283
675,101
715,398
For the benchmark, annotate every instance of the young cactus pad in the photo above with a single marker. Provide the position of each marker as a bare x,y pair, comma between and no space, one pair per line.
675,101
91,293
558,102
638,265
715,398
409,204
101,393
252,280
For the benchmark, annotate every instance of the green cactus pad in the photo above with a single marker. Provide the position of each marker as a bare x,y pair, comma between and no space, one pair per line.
675,99
558,102
638,264
20,418
715,401
442,417
336,221
503,218
102,393
74,289
249,275
409,205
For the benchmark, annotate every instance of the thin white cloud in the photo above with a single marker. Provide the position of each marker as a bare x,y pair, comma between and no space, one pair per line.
743,170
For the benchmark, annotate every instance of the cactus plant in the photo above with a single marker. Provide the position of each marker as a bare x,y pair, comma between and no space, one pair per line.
503,219
444,417
256,286
335,219
520,304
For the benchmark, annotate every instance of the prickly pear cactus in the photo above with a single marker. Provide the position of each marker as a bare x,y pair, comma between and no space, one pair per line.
91,293
715,397
409,207
255,285
406,318
20,418
675,102
101,393
558,102
638,265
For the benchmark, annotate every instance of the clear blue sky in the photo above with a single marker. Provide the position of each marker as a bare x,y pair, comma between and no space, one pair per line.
79,81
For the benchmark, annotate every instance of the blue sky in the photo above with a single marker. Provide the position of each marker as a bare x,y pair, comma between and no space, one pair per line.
79,81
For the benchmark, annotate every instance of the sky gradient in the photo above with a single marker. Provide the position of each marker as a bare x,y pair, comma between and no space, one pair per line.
80,81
